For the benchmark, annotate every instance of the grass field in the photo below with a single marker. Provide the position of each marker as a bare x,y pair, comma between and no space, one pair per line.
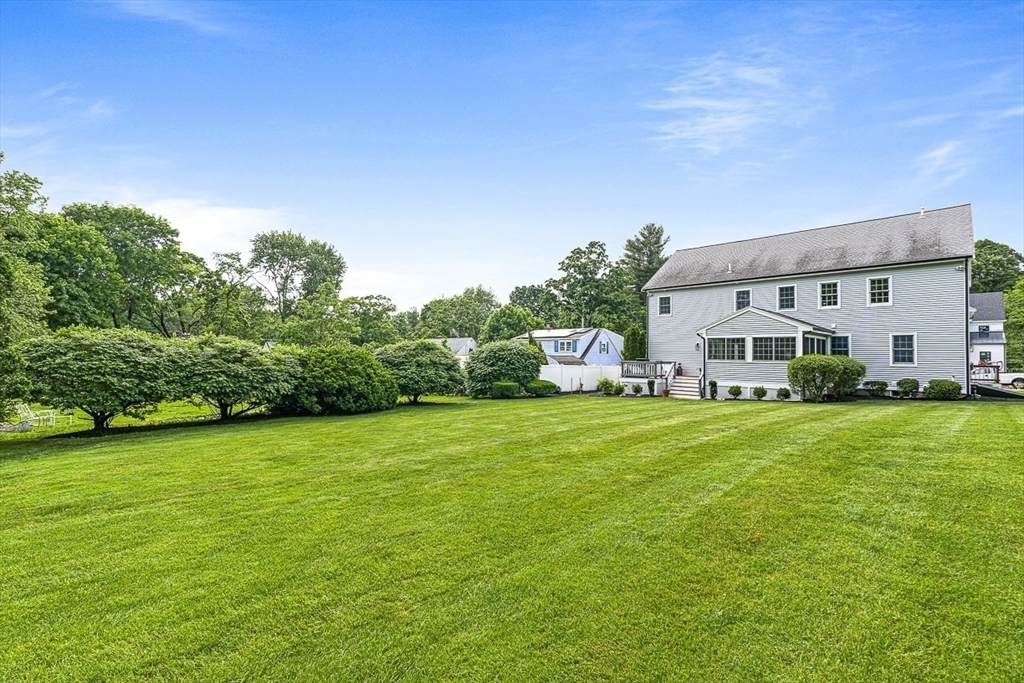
563,539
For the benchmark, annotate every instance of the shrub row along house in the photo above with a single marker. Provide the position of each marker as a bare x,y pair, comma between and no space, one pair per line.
890,292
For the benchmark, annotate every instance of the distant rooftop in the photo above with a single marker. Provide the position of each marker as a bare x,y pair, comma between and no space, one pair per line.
911,238
988,306
562,333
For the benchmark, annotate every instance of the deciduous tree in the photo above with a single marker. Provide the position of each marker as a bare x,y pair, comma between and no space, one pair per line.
421,367
507,322
996,268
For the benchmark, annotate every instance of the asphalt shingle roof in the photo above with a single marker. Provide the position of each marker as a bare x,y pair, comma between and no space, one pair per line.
988,306
915,237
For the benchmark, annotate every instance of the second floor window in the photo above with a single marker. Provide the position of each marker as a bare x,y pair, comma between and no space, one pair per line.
603,347
664,305
828,294
742,299
878,291
982,330
566,346
787,298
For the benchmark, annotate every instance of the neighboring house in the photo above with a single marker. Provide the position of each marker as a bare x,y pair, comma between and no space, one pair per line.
988,341
890,292
579,346
460,346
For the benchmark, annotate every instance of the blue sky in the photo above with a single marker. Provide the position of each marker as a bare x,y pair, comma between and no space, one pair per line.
444,145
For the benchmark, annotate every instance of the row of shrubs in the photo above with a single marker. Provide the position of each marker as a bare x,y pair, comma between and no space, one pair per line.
818,377
111,372
610,388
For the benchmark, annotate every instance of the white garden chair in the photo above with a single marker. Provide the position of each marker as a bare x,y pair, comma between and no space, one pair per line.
42,417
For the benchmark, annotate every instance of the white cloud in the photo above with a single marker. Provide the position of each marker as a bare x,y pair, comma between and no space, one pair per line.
721,102
200,17
27,131
206,228
945,164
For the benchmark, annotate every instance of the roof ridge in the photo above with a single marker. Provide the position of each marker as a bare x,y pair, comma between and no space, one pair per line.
823,227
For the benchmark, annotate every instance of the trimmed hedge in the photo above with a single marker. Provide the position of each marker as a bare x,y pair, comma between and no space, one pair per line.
908,387
339,380
783,394
735,390
712,389
606,386
815,375
541,388
876,387
504,361
942,390
504,390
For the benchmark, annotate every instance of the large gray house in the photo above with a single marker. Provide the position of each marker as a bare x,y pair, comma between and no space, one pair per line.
890,292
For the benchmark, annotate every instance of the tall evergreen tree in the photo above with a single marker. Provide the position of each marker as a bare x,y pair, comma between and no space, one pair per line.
644,254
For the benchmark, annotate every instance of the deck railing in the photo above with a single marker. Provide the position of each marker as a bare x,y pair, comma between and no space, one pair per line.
647,368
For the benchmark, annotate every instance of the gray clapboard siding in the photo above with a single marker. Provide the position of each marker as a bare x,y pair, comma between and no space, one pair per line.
927,299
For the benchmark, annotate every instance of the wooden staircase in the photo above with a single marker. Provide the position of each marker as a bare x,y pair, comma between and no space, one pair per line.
685,387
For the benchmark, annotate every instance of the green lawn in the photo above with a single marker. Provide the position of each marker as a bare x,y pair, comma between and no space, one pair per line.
564,539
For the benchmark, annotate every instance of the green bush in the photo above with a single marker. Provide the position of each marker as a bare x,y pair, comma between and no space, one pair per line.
618,389
815,375
760,393
876,387
235,377
942,390
735,390
637,389
783,394
634,343
541,387
907,387
606,386
651,382
504,390
504,361
339,380
713,389
105,372
422,367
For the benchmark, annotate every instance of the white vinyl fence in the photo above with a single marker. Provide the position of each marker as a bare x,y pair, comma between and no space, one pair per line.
570,377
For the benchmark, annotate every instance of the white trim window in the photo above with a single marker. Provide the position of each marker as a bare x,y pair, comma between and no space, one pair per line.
786,297
774,348
840,346
664,305
565,346
727,348
829,294
742,299
879,291
903,349
602,347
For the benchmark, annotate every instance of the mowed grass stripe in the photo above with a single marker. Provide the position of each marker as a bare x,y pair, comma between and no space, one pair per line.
568,539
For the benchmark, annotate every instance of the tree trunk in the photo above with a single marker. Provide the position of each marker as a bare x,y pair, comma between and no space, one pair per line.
100,421
225,411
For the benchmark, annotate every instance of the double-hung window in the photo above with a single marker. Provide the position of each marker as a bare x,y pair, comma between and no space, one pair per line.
742,299
828,294
840,346
904,349
774,348
879,291
664,305
787,298
566,346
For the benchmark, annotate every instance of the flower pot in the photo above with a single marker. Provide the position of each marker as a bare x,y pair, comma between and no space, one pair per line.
664,393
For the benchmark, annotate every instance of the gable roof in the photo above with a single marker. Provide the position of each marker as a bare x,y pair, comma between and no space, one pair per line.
564,333
456,344
796,322
988,306
910,238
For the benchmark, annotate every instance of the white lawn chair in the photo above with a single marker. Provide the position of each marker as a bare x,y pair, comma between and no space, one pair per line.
42,417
